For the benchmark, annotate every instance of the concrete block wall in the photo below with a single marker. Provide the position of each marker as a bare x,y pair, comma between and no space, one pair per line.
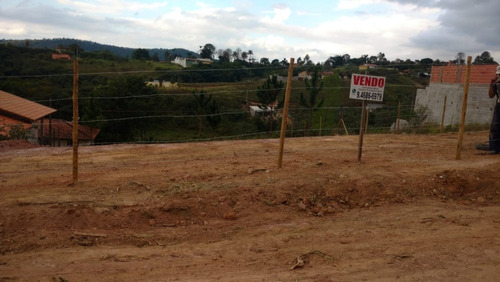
479,105
449,81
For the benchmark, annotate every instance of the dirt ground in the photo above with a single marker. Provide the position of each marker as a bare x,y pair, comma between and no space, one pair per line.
224,211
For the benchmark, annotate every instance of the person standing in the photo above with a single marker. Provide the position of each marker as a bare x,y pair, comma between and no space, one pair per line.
494,92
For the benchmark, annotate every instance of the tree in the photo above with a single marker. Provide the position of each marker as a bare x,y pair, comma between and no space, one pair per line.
268,92
438,62
381,59
214,118
268,96
155,57
307,60
17,132
228,53
208,51
359,61
313,88
335,61
284,62
126,129
92,111
250,55
141,54
484,59
346,58
167,56
244,55
460,58
409,62
76,49
236,54
264,61
224,55
201,103
426,61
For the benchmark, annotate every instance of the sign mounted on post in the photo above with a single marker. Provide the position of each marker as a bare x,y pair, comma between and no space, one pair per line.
367,87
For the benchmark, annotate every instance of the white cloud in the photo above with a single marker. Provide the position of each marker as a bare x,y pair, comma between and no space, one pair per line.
111,6
354,4
281,13
12,29
422,28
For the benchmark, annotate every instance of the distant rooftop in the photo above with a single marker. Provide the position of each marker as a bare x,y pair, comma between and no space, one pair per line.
16,106
62,129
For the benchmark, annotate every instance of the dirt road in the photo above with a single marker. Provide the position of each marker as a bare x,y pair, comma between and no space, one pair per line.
223,211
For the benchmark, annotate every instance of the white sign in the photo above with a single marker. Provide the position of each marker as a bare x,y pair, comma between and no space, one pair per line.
367,87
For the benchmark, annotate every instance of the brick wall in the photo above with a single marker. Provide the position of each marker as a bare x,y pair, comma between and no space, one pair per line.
481,74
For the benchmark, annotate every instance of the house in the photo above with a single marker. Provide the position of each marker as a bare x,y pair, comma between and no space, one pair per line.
187,62
258,111
284,79
326,73
303,75
56,56
367,66
19,113
161,83
59,133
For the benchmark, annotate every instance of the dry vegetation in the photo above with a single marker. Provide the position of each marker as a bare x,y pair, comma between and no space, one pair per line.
223,211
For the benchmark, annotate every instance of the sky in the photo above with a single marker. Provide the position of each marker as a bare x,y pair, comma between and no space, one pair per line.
436,29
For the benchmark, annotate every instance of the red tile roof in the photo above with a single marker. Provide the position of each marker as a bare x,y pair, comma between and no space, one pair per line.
17,107
63,129
61,56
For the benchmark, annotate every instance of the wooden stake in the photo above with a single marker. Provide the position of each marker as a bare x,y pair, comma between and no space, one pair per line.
399,116
75,120
367,117
464,109
320,125
345,128
285,112
441,129
361,130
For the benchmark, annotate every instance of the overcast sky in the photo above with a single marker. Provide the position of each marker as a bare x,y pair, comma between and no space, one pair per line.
436,29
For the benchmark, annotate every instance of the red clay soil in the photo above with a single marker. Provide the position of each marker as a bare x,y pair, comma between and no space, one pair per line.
224,211
8,145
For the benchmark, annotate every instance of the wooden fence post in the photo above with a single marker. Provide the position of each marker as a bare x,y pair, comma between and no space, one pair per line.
320,125
367,118
399,116
441,129
464,110
361,130
75,120
285,112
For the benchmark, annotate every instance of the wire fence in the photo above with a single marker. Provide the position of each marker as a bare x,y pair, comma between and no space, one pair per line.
119,107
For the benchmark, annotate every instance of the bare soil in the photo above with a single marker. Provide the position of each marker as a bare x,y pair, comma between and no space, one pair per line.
224,211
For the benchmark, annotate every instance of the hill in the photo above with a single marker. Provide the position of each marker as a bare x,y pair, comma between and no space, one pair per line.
91,46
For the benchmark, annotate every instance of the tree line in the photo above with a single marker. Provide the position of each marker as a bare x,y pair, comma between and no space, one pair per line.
209,51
